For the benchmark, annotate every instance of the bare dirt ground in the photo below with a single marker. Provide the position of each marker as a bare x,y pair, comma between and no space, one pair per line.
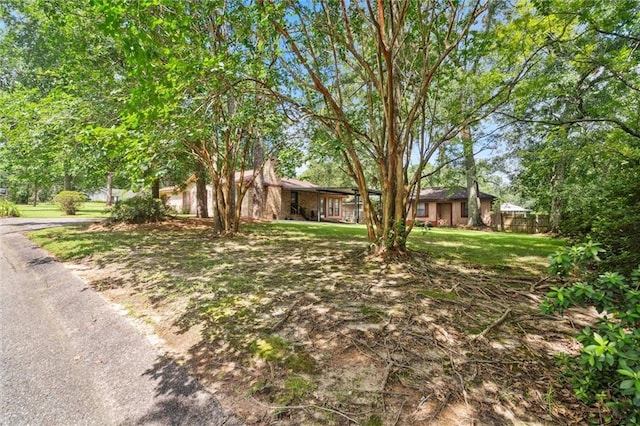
311,333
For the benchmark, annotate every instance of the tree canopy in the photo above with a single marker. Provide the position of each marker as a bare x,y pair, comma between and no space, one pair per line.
390,94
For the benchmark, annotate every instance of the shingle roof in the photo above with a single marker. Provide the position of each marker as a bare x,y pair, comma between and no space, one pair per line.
296,184
508,207
286,183
437,194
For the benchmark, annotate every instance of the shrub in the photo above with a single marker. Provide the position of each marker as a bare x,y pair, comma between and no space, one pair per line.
8,209
139,209
606,373
69,201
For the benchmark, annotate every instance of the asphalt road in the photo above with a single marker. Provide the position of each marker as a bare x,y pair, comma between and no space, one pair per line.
68,357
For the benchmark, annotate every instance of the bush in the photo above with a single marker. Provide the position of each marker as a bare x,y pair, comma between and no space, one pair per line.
139,209
606,374
8,209
69,201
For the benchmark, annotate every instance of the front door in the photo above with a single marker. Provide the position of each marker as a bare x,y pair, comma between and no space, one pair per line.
444,212
294,202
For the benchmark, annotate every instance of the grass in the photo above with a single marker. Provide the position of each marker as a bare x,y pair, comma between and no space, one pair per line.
89,209
71,243
498,250
295,314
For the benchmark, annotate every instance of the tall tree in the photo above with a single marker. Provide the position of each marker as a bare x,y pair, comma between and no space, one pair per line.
52,51
375,74
579,114
199,74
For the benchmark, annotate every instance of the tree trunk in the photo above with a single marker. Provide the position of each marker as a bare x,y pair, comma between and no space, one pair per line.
35,193
155,189
201,191
473,192
231,224
258,194
217,217
68,182
557,182
109,189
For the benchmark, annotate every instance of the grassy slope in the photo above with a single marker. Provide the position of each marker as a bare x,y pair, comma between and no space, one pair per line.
90,209
295,315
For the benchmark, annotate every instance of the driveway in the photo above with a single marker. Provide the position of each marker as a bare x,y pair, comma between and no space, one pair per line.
68,357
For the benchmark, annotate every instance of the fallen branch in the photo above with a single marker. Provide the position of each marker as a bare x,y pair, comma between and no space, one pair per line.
441,407
399,413
284,319
462,385
536,284
499,361
305,407
385,379
493,325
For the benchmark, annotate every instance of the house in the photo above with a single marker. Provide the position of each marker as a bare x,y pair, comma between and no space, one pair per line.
283,198
513,209
116,194
448,206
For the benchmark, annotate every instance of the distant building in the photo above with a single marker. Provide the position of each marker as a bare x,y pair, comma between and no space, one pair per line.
448,206
118,194
512,208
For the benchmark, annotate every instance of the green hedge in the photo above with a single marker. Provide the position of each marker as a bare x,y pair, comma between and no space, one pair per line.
8,209
69,201
139,209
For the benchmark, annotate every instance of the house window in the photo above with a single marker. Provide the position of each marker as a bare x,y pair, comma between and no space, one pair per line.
423,210
331,200
464,209
294,202
337,210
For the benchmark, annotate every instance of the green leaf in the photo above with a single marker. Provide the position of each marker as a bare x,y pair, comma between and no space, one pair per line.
627,384
598,339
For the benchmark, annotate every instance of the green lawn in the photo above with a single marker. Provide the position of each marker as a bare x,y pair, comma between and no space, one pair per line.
296,315
89,209
493,249
499,250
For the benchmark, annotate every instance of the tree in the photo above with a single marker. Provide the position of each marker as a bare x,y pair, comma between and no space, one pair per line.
25,152
374,74
56,62
580,134
199,74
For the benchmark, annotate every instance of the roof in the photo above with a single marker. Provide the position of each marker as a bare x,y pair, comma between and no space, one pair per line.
508,207
286,183
248,175
297,185
437,194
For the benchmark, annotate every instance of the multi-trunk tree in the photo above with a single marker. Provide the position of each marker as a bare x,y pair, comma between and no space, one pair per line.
377,75
199,73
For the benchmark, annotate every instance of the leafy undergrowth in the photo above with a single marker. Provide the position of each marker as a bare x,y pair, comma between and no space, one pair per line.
290,324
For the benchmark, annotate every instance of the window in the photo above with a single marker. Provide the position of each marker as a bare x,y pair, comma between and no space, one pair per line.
294,202
423,210
337,211
464,210
331,200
